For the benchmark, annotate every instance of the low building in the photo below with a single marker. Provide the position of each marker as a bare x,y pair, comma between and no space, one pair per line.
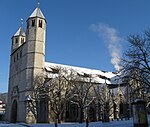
2,110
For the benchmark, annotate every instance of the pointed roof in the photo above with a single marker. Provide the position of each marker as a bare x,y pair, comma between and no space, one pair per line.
37,13
20,32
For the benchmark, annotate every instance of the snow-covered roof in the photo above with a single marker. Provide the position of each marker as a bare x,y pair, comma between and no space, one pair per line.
37,13
96,75
20,32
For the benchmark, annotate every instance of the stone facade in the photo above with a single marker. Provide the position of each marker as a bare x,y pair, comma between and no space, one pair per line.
27,59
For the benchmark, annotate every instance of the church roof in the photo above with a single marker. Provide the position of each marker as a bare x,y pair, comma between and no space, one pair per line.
20,32
37,13
97,76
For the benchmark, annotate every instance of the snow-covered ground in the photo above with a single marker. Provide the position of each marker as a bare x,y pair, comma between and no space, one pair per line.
124,123
92,124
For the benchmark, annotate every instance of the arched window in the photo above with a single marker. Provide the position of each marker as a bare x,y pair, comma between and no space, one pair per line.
33,22
16,40
22,40
40,23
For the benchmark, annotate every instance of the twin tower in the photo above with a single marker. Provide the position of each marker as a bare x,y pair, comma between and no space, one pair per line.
27,60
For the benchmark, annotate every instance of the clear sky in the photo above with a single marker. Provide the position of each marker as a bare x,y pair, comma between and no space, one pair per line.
85,33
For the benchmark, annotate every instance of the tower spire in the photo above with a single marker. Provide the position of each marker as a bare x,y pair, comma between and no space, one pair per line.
37,12
38,1
21,22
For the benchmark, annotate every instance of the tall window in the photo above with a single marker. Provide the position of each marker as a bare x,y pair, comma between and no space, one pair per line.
17,56
121,108
16,40
22,40
27,24
33,22
40,23
14,59
28,31
20,53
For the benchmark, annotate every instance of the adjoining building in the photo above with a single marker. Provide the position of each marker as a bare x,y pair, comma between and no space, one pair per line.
3,102
28,60
2,110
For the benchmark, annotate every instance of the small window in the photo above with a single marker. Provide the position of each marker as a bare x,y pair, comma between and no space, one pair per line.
40,23
14,59
22,40
17,56
16,40
28,31
33,22
28,24
20,53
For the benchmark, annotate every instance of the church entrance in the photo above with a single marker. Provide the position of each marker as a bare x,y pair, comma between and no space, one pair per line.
14,112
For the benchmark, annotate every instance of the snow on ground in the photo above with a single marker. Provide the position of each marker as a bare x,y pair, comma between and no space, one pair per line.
124,123
92,124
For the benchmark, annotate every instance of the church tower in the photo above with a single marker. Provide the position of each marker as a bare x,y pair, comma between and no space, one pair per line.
36,31
27,60
18,39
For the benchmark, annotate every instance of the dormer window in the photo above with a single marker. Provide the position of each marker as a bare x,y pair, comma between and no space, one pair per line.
16,40
33,22
40,23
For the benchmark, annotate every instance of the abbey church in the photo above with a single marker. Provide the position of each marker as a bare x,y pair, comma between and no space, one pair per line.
27,61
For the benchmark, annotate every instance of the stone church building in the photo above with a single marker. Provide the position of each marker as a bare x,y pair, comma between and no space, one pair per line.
28,60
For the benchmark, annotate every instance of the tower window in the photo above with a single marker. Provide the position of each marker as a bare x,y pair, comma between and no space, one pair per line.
27,24
20,53
14,59
17,56
22,40
28,32
16,40
40,23
33,22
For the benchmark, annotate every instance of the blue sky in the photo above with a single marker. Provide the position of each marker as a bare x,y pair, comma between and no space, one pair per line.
85,33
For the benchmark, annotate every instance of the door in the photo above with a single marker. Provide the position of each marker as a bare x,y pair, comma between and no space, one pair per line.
14,112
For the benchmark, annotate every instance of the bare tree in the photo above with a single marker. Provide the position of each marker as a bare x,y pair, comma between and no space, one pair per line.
38,91
104,98
136,64
58,93
39,95
82,92
56,89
